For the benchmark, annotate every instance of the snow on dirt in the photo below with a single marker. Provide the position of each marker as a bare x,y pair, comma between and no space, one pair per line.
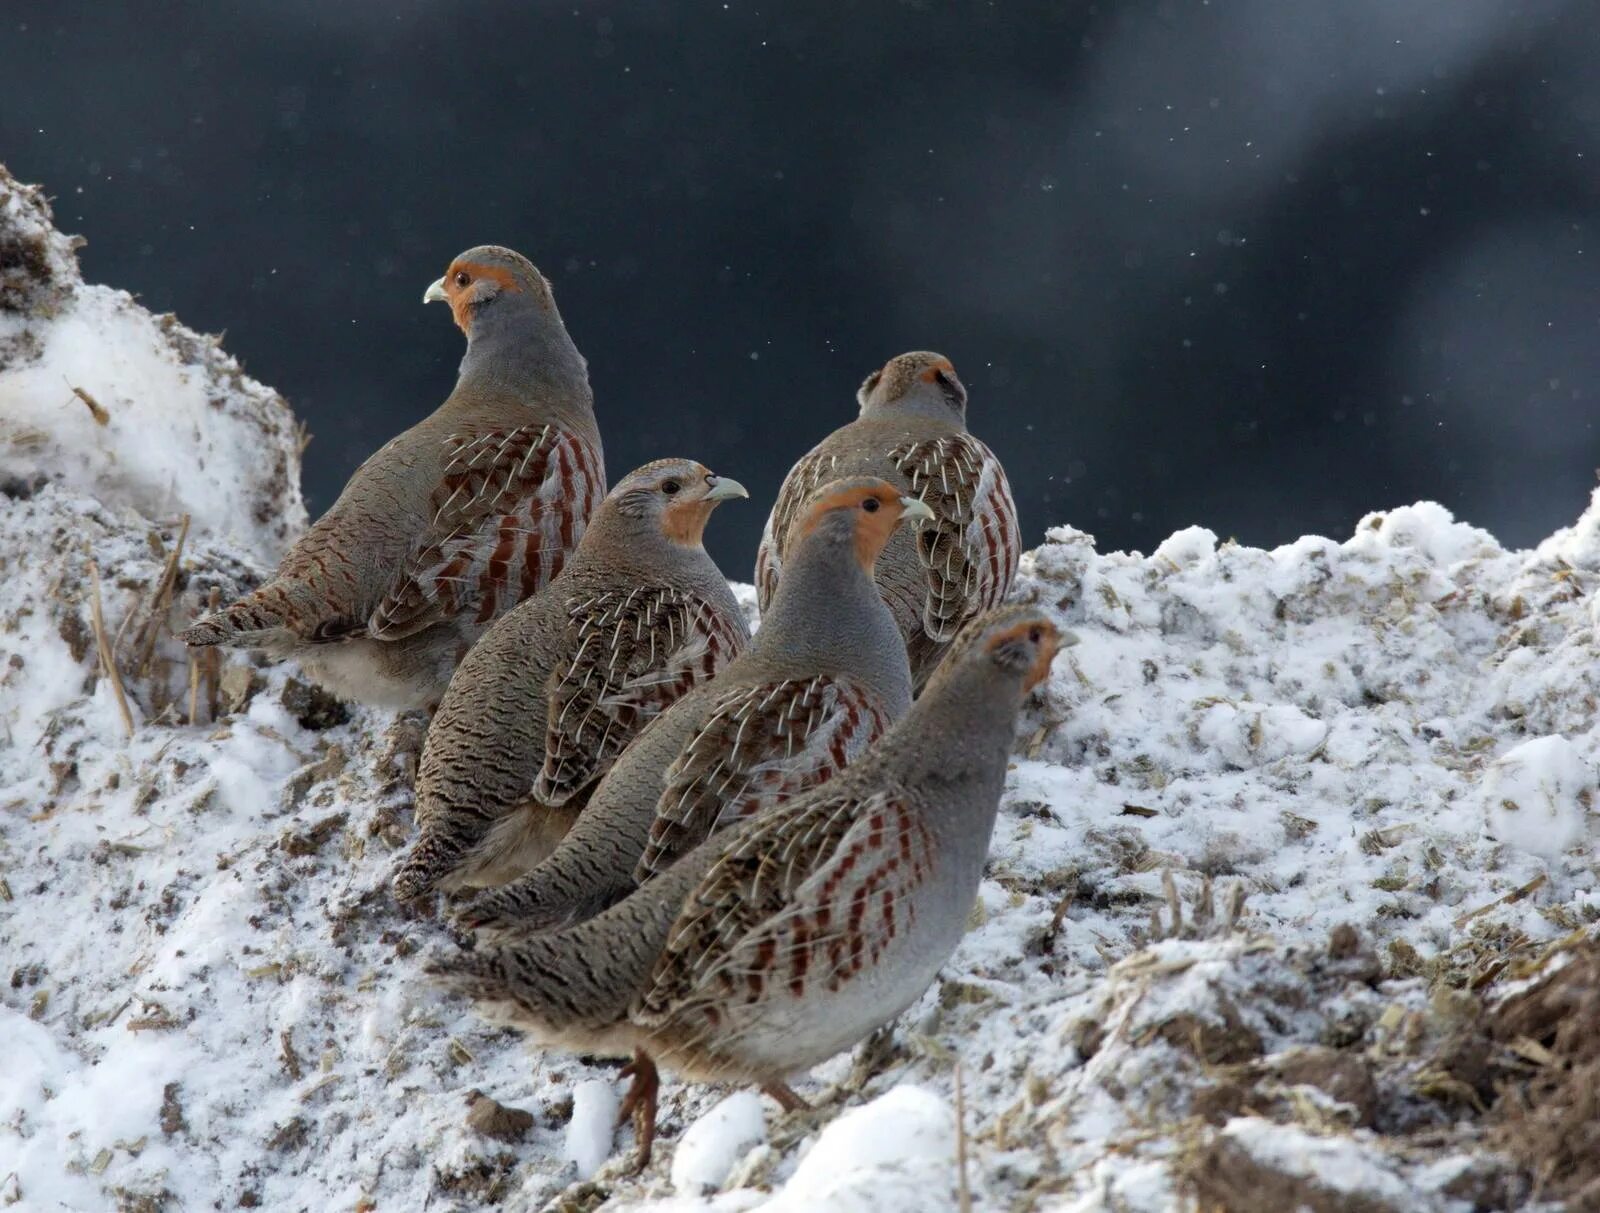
1270,822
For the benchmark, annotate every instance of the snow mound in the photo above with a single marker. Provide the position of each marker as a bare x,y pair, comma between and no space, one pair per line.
101,396
1255,903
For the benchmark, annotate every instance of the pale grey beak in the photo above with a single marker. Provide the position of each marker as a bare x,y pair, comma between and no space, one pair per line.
915,509
1067,640
724,489
435,293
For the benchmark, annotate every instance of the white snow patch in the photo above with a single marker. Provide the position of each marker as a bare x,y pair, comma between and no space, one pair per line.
1538,796
592,1127
896,1153
705,1154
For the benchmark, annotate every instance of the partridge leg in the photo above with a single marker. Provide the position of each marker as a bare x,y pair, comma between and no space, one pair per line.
639,1105
786,1099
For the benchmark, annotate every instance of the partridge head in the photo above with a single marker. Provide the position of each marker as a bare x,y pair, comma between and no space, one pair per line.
918,382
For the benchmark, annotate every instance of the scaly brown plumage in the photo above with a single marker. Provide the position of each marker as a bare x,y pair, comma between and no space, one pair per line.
545,702
826,674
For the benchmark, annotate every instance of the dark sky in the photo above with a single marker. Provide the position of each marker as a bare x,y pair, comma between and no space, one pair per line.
1260,265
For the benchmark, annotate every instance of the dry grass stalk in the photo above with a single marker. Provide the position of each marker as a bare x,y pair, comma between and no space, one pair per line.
96,410
1516,894
963,1191
213,669
103,644
161,597
194,687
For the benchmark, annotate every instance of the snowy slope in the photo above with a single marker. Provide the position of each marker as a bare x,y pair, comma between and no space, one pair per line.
99,395
208,1000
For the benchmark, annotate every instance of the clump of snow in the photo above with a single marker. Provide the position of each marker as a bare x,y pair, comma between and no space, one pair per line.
100,396
1538,796
708,1149
1240,884
895,1153
589,1132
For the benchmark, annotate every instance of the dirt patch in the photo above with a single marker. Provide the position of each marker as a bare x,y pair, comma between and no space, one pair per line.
1224,1177
1550,1122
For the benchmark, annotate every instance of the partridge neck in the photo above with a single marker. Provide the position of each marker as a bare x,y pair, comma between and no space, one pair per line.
917,405
827,615
972,710
527,351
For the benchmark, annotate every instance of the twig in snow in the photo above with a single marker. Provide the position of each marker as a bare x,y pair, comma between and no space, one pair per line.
194,686
96,409
103,644
1517,894
163,595
214,656
963,1192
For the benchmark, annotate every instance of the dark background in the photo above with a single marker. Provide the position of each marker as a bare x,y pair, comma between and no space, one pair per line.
1261,265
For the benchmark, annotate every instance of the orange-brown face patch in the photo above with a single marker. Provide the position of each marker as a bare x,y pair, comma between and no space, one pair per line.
930,374
684,522
872,528
1049,646
461,297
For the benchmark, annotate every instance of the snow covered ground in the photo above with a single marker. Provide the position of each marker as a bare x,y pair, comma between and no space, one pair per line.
1283,830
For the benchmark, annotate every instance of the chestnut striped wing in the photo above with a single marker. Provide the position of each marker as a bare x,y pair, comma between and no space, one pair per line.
971,548
814,469
632,654
800,901
510,507
760,747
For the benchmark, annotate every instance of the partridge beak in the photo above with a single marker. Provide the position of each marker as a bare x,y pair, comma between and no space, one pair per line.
914,508
724,489
435,293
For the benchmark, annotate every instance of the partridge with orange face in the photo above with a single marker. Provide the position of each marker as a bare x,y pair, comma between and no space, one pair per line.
793,935
452,523
824,677
555,690
912,432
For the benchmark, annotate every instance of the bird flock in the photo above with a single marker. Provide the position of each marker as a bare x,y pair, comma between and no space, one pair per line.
660,838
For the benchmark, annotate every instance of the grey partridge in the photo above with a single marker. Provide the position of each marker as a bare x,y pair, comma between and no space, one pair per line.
791,936
547,699
824,677
451,523
912,432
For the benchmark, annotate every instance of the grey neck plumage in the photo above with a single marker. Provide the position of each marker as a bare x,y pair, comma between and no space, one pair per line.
517,344
930,405
827,616
971,707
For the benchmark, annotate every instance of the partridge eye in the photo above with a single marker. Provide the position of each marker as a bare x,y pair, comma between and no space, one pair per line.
670,487
462,277
1035,635
871,505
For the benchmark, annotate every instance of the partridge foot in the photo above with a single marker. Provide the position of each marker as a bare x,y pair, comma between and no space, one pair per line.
639,1105
780,1093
